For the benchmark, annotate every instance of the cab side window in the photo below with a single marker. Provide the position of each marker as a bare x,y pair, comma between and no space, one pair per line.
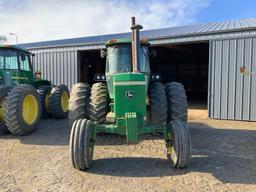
24,62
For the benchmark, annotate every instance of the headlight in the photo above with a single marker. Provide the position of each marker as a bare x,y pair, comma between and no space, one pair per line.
99,77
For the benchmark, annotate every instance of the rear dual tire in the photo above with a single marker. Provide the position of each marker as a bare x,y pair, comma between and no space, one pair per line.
79,102
158,104
54,101
58,102
44,93
177,101
22,110
98,106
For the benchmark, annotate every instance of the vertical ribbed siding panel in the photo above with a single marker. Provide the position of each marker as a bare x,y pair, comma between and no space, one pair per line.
232,79
224,79
217,80
76,67
58,67
253,82
247,80
72,69
52,66
48,64
232,94
239,80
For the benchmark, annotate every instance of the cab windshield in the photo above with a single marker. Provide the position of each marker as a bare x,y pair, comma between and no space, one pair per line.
119,59
11,59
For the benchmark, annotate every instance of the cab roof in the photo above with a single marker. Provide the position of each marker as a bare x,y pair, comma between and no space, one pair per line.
125,41
14,47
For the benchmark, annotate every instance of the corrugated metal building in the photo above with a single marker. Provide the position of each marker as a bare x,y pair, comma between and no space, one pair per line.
206,58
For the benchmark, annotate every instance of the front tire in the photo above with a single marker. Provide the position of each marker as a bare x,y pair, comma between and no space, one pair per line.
178,144
81,144
22,110
59,101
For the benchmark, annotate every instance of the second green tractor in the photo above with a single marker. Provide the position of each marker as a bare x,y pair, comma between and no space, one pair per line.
127,101
25,98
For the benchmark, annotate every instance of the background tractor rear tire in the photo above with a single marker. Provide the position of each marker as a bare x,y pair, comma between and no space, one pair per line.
177,101
59,101
44,93
178,144
81,144
79,102
158,104
22,110
3,94
98,106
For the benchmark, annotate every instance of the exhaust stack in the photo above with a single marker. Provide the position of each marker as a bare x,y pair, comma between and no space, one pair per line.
135,45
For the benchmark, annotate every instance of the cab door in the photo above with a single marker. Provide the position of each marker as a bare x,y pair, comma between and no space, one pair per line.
26,72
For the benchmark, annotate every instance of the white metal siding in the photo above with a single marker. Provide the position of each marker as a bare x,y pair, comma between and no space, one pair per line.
232,94
59,67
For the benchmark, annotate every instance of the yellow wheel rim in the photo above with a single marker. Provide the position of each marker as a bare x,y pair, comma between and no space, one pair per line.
30,109
47,102
2,108
64,101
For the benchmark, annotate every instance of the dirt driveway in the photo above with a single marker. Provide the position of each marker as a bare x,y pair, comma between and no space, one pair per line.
224,159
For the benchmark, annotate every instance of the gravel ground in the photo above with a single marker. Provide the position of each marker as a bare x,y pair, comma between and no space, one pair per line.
224,159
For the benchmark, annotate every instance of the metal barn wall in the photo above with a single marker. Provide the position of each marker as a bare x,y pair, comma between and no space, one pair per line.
232,95
58,66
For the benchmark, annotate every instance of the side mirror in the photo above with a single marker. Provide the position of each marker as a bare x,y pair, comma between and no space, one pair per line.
23,56
153,53
103,53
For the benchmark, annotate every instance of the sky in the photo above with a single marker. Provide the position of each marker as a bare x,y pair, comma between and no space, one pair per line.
37,20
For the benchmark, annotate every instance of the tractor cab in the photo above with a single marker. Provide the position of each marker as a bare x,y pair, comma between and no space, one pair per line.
119,59
15,66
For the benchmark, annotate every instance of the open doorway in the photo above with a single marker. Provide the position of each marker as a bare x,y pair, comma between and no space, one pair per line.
188,64
90,63
185,63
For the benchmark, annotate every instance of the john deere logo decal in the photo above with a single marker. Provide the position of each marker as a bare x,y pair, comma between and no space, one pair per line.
129,94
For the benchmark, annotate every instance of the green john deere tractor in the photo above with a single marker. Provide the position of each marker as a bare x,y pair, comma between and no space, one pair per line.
128,103
24,99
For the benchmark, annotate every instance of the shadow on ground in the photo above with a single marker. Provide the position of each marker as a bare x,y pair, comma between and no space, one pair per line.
227,154
49,132
134,167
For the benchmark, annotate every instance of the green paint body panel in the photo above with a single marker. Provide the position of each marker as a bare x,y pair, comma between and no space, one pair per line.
129,94
114,129
39,82
11,76
131,127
